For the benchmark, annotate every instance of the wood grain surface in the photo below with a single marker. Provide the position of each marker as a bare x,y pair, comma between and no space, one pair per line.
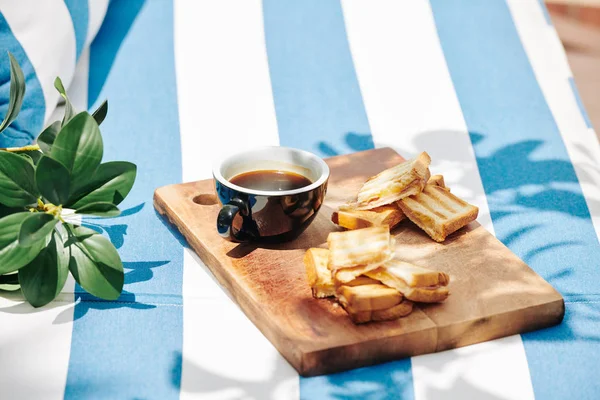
493,293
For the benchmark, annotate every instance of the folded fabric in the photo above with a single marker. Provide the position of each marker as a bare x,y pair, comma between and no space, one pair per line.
47,39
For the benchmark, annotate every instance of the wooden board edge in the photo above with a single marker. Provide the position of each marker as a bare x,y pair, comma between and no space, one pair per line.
292,352
314,363
547,314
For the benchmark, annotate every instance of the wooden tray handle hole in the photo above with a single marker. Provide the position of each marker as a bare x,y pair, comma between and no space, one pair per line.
206,199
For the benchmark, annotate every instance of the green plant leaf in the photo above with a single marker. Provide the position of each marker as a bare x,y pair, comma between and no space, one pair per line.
69,110
4,211
17,93
111,183
36,227
35,155
9,279
95,264
43,278
46,139
78,146
12,255
53,180
101,112
26,157
10,282
17,186
100,209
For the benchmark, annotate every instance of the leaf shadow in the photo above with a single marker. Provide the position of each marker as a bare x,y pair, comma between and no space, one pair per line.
205,382
115,232
84,302
383,381
354,141
141,271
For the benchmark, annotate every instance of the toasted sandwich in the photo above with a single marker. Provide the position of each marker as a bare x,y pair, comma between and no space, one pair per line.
368,297
360,281
393,184
319,276
352,253
438,212
398,311
414,282
437,180
389,215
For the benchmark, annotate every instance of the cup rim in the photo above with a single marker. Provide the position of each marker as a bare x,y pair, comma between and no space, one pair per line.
322,178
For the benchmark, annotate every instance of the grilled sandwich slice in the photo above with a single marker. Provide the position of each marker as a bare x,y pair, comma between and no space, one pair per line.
414,282
437,180
412,275
398,311
438,212
360,281
319,276
344,276
368,297
389,215
393,184
352,253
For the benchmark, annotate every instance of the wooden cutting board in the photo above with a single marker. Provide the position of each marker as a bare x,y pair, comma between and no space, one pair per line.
493,292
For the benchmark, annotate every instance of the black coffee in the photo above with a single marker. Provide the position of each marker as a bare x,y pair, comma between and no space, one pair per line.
270,180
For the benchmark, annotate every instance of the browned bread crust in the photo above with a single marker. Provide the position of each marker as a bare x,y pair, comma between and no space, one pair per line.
438,212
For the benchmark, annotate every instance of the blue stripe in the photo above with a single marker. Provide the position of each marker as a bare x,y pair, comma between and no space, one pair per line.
31,118
382,382
318,102
584,114
130,348
534,196
319,108
79,10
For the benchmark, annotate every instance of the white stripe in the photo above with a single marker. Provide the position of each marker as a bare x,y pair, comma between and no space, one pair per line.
78,90
35,347
412,106
97,12
487,370
549,62
45,30
408,93
223,84
225,103
26,332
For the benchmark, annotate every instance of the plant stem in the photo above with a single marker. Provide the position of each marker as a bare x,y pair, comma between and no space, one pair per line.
31,147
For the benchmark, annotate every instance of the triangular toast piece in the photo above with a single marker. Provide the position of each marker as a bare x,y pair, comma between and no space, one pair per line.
389,215
352,253
438,212
398,311
399,274
368,297
360,281
412,275
393,184
437,180
319,276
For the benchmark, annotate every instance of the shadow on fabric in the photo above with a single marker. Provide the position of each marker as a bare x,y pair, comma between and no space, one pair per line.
116,232
206,382
120,16
538,211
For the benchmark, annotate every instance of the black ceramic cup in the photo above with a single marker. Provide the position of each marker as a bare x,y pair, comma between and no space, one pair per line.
268,216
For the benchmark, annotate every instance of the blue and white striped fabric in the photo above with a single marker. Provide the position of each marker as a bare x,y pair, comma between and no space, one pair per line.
47,39
484,87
